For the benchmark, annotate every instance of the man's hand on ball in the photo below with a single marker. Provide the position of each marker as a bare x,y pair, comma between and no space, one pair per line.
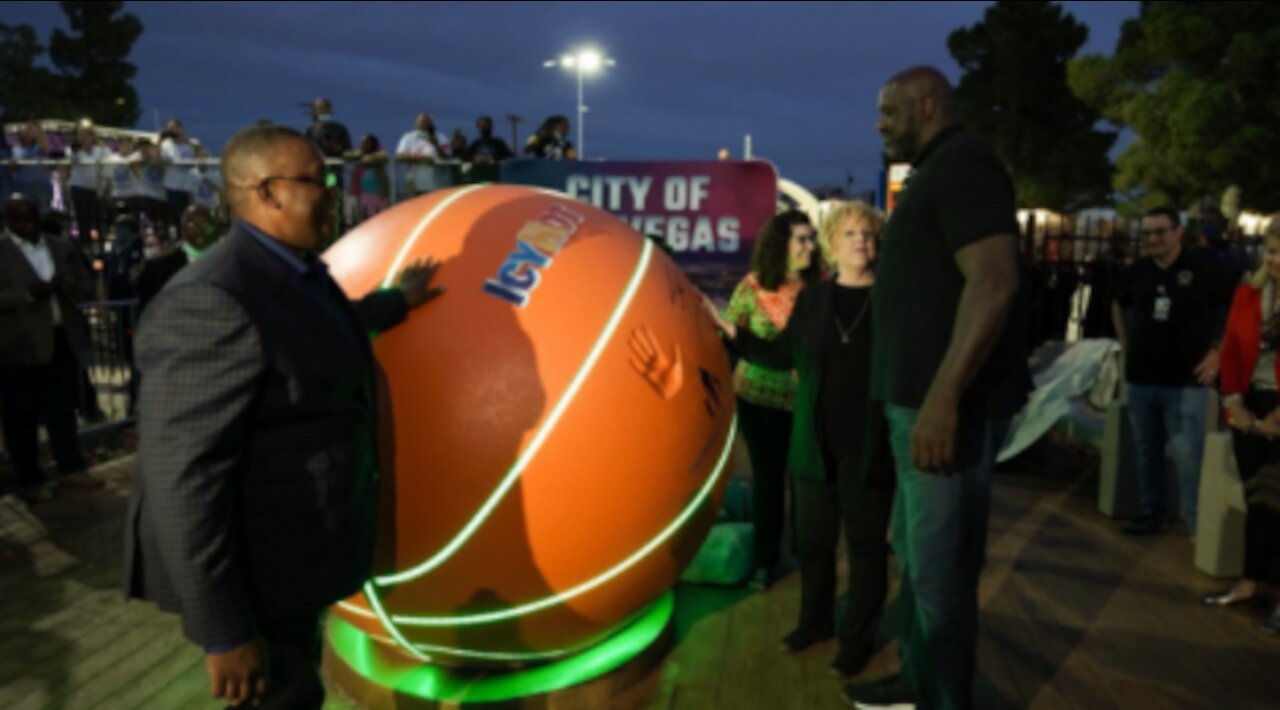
415,282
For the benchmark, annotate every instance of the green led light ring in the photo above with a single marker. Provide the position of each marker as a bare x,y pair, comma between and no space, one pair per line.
544,432
500,656
389,280
353,647
583,588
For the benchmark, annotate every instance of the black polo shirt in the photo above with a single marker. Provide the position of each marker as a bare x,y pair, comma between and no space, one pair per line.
958,193
1173,316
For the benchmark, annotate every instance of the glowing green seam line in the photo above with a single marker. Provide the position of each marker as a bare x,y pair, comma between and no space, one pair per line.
544,432
352,608
389,280
372,596
486,655
529,608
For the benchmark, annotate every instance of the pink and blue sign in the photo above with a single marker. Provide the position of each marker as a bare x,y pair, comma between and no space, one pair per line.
706,213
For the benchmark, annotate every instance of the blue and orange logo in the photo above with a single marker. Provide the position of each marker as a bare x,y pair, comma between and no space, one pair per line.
537,243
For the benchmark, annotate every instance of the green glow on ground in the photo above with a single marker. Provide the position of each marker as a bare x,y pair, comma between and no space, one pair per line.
440,684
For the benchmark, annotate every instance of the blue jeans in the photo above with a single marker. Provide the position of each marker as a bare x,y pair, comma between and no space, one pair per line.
940,536
1176,416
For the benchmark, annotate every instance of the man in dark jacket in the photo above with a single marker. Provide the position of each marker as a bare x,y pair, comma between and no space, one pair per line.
43,281
254,501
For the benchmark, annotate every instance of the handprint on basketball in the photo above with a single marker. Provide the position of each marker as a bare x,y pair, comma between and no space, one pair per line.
665,374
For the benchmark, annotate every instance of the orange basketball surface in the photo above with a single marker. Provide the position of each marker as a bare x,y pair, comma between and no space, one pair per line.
556,426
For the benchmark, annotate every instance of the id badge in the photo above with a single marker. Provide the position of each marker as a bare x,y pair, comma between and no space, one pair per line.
1161,313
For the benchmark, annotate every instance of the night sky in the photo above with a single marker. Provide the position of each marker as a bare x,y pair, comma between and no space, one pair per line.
691,78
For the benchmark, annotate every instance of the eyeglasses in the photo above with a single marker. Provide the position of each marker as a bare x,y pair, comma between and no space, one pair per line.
320,182
308,179
1157,232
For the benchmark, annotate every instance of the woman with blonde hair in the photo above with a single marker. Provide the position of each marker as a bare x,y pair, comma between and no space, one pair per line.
1249,374
838,458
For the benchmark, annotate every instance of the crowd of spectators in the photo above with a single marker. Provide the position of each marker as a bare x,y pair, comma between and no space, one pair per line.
98,181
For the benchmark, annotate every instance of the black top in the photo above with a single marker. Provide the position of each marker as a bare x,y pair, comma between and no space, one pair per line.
490,147
830,415
331,137
847,371
1173,317
958,193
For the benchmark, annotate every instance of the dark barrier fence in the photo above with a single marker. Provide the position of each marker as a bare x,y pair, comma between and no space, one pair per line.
1075,267
108,382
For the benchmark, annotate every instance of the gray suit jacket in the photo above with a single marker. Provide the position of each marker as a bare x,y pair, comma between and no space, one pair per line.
256,484
26,325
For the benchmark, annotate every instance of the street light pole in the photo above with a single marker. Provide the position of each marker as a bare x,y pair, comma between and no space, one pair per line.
584,61
582,110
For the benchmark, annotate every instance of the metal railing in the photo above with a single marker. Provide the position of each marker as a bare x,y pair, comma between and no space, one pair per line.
108,381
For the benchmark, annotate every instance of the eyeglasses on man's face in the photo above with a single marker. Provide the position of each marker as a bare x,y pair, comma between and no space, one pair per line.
319,182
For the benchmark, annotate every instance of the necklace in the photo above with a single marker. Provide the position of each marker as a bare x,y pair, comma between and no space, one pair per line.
847,333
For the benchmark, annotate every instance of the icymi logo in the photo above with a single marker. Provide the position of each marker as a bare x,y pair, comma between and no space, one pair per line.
537,243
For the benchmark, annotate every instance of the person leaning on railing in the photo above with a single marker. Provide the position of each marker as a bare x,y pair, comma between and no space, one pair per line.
1250,371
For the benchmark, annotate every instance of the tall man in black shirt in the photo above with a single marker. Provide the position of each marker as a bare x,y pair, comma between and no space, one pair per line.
949,365
1169,314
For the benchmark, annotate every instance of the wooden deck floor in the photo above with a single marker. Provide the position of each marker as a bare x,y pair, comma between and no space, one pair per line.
1074,615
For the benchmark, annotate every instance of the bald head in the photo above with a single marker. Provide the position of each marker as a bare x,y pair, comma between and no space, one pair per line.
276,181
915,106
22,216
927,83
250,157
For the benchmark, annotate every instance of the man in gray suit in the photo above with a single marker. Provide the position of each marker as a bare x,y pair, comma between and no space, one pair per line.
43,279
254,504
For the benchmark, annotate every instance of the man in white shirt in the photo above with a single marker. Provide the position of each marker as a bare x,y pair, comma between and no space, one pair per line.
87,158
34,181
152,196
43,279
420,150
175,146
205,184
121,176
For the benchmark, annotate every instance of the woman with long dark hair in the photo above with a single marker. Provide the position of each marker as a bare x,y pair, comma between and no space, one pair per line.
839,458
551,141
782,264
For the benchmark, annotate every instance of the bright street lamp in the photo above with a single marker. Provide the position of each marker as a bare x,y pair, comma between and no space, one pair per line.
584,61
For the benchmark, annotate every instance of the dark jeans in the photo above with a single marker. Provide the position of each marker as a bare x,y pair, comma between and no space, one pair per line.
940,535
89,215
1261,525
42,394
292,646
1172,415
768,433
822,508
178,201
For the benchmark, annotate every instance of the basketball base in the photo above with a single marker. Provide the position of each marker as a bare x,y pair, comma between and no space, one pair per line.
370,675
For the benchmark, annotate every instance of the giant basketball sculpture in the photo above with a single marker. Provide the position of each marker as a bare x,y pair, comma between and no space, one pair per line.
560,424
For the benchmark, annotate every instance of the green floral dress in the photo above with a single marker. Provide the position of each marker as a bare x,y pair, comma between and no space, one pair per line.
764,313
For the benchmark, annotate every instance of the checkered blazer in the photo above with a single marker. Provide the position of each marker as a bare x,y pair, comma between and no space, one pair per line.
256,484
